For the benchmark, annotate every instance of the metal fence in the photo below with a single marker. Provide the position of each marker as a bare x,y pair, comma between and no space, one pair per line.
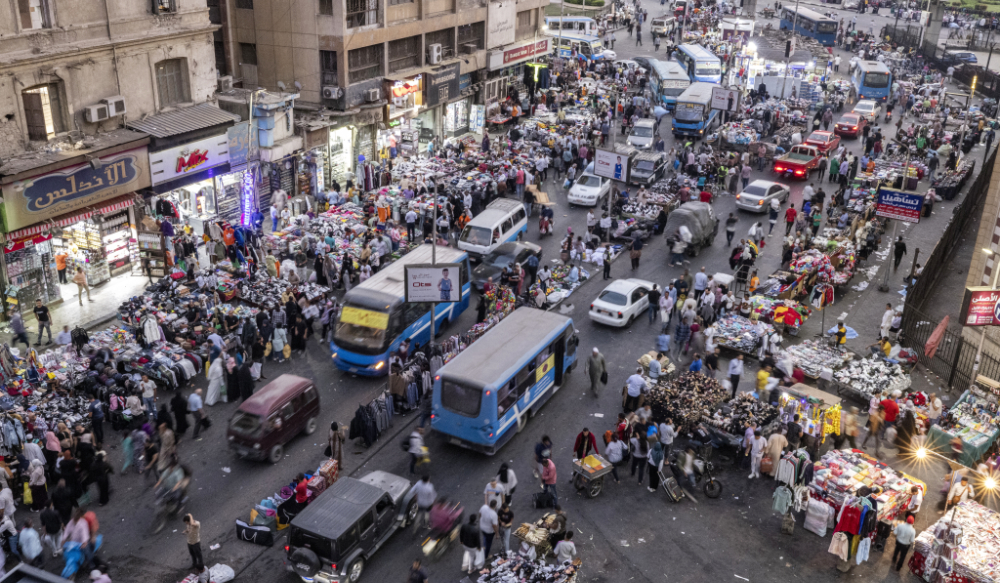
987,82
954,357
903,35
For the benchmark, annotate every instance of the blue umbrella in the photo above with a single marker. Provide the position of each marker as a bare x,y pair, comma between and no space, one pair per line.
659,112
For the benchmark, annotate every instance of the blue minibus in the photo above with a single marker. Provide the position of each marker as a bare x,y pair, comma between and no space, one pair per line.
485,395
375,317
667,80
693,115
810,23
700,63
872,80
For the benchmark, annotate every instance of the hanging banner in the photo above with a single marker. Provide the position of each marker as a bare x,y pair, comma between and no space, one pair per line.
11,246
501,18
899,205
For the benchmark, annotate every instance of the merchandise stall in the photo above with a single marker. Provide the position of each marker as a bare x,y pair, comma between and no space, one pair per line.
818,411
864,378
729,421
814,356
686,399
734,332
31,272
961,547
783,314
975,420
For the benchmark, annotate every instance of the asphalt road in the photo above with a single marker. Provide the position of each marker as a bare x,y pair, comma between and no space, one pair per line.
627,532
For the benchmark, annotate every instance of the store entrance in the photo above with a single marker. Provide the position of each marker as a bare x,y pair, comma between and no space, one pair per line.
104,246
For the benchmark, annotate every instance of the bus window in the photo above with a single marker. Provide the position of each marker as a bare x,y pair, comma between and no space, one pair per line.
463,274
508,225
585,49
462,400
876,80
411,313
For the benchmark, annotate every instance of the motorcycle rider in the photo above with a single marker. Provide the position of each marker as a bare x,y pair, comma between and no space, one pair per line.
174,482
443,517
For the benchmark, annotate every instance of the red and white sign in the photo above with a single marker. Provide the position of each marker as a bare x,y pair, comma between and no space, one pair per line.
981,307
166,165
519,53
11,246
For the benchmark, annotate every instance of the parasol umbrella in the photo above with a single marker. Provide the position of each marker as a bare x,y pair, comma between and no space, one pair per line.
659,112
935,339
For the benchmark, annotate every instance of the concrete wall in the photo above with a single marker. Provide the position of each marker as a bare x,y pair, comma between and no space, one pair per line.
988,237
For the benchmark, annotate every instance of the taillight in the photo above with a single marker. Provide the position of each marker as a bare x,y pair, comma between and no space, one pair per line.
286,548
799,172
333,566
591,306
760,202
778,169
854,127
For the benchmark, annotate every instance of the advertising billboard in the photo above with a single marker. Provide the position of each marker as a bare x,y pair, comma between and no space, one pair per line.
981,307
899,205
433,283
725,99
610,164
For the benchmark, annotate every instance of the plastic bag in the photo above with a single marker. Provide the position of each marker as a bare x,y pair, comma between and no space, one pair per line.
219,573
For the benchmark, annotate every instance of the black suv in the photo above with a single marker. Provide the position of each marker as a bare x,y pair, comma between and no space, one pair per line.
332,539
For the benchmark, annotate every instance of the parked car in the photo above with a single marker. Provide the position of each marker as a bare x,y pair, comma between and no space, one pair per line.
824,141
869,109
505,255
647,168
336,535
642,62
757,196
264,423
589,190
959,57
798,162
642,135
850,124
621,302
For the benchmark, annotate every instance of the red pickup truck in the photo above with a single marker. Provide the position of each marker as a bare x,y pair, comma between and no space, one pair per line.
798,162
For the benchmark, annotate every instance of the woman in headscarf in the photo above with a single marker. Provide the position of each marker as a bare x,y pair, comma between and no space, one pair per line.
51,451
336,440
85,452
244,379
36,481
299,329
507,481
164,417
216,374
99,472
179,407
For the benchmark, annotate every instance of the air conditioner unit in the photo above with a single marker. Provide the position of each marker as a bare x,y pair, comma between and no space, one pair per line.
434,53
116,105
371,95
332,92
225,83
95,113
469,48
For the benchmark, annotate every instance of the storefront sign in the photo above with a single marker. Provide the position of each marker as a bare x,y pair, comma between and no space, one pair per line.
981,307
519,53
242,143
902,206
188,159
501,18
30,201
404,88
442,84
27,242
465,81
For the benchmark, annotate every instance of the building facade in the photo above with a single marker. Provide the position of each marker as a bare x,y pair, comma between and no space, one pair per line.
74,79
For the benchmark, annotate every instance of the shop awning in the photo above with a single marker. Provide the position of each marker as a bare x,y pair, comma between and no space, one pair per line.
66,220
185,120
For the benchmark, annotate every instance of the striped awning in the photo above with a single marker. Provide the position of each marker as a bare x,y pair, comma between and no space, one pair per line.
68,219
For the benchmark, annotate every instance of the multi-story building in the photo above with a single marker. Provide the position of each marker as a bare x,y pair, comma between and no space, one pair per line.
104,106
376,73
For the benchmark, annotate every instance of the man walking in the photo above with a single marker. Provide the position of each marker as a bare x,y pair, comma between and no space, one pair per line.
148,389
735,372
44,321
790,214
904,538
489,525
898,250
80,279
638,34
654,303
96,412
597,369
195,408
700,283
20,332
425,495
193,532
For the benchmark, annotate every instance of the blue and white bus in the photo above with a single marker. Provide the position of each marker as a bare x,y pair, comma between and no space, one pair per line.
667,80
810,23
872,80
375,317
571,25
700,63
485,395
693,115
588,47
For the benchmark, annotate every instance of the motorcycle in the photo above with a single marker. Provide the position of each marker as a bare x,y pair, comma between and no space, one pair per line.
545,226
169,506
704,474
440,539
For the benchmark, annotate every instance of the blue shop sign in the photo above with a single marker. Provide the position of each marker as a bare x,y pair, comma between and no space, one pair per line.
465,81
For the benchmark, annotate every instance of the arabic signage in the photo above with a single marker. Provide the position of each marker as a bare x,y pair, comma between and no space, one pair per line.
609,164
442,84
981,307
519,53
899,205
11,246
33,200
364,318
500,20
725,99
180,161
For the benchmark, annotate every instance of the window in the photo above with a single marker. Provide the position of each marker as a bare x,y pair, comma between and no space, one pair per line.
519,215
398,2
287,411
446,38
164,6
383,505
362,13
471,34
328,67
347,540
34,14
364,63
366,522
456,398
43,112
245,4
326,7
526,21
248,54
508,225
171,81
310,395
404,53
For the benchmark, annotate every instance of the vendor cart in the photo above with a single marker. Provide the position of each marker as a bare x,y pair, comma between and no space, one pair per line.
588,474
536,537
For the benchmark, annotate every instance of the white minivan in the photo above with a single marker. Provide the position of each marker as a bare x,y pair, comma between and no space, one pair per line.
502,221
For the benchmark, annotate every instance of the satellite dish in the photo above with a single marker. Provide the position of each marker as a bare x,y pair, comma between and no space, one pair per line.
298,86
281,85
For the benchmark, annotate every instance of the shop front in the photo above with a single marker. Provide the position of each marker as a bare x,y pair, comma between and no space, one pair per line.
768,67
78,216
506,69
405,116
312,162
341,147
442,91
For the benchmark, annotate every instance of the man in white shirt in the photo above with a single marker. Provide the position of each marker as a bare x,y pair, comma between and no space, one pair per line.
195,408
64,338
960,492
489,525
735,372
807,193
667,435
757,445
148,389
916,499
636,387
217,340
700,283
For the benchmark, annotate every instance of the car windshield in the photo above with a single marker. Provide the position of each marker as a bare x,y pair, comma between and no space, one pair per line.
460,399
476,235
589,180
245,424
498,259
614,298
645,165
755,190
642,132
821,138
361,329
689,111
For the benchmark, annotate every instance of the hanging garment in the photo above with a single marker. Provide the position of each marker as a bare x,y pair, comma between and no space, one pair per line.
864,547
839,545
782,500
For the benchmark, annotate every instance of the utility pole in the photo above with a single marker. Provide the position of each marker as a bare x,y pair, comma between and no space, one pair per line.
788,57
965,124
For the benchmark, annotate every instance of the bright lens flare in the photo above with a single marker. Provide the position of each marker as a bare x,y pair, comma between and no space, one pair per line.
990,484
921,453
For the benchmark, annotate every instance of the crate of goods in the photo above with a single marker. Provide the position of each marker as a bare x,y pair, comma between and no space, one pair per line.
330,470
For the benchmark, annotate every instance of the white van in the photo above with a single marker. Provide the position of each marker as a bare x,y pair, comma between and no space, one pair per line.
502,221
663,25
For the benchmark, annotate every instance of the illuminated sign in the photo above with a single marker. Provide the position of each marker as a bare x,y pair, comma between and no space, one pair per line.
404,88
166,165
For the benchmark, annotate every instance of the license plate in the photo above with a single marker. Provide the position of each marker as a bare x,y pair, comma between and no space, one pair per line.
352,369
456,441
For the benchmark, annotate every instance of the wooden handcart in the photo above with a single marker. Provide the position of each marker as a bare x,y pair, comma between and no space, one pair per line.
589,477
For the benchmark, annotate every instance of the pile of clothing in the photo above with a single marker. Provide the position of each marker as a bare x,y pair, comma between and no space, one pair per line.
738,333
841,474
872,376
686,400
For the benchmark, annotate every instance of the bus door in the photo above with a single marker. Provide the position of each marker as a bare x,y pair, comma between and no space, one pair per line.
559,360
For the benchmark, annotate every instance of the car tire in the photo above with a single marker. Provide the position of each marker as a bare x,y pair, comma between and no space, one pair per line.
354,570
311,426
520,236
411,512
630,320
275,454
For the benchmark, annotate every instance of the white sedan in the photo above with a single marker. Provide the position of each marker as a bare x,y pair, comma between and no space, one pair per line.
869,108
621,302
589,190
